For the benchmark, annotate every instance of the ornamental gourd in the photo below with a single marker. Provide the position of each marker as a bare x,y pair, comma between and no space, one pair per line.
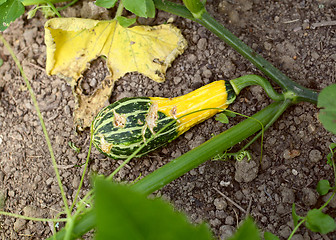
122,127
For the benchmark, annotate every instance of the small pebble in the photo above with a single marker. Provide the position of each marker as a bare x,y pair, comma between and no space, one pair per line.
207,73
309,197
201,169
246,171
177,80
192,58
226,231
288,195
229,220
267,46
19,224
188,135
285,231
93,82
295,172
297,237
202,44
220,203
315,155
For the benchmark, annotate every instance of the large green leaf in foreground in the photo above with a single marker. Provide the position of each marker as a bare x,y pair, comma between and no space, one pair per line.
248,230
125,214
327,101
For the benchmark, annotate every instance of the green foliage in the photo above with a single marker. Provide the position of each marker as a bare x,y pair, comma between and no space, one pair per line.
106,3
327,115
125,22
317,221
295,217
1,62
221,117
141,8
126,214
9,11
331,155
270,236
323,187
248,230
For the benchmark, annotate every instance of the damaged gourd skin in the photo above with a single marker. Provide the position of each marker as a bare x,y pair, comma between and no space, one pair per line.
122,127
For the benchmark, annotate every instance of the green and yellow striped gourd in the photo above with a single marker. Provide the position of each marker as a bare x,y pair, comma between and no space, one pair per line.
122,127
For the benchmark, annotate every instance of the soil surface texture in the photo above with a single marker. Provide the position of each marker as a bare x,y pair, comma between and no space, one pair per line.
297,36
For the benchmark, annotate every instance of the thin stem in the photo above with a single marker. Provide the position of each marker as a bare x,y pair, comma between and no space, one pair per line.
296,228
69,226
119,10
83,175
51,5
36,2
45,132
327,202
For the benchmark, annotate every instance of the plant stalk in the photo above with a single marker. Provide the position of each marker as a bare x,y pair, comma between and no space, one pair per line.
36,2
176,168
299,92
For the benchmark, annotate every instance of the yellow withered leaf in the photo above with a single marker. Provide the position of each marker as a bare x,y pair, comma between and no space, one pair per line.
72,43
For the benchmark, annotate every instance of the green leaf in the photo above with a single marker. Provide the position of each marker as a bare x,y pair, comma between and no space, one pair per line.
9,11
221,117
125,214
327,115
330,155
295,217
323,187
2,1
1,62
125,22
248,230
141,8
270,236
32,13
106,3
317,221
332,147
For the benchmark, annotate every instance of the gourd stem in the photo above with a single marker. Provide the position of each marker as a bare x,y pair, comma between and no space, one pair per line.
300,93
119,10
248,80
181,165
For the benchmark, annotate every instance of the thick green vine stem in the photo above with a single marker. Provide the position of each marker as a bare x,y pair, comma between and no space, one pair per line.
248,80
36,2
297,92
181,165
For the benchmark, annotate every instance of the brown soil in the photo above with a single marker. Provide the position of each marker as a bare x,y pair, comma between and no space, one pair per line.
287,33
